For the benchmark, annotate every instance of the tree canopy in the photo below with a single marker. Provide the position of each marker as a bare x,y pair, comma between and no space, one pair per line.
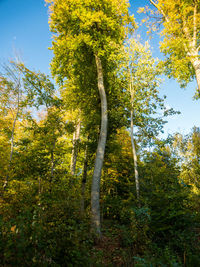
88,177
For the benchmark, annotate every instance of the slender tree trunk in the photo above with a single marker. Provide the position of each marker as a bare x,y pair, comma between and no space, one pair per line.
196,65
76,137
137,184
95,192
194,46
84,180
135,160
193,54
162,12
12,139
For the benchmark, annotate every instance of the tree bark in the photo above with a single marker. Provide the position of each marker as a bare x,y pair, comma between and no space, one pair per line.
193,53
137,184
76,137
196,66
95,192
135,160
161,11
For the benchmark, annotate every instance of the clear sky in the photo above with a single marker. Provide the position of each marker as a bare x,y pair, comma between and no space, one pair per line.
24,27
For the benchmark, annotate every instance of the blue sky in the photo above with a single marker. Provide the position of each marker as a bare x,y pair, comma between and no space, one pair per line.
24,27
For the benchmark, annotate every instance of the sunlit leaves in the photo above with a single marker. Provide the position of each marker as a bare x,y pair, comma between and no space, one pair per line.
181,21
101,26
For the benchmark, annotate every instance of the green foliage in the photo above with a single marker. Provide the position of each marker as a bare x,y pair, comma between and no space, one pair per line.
86,26
180,42
42,231
141,74
42,219
162,185
39,88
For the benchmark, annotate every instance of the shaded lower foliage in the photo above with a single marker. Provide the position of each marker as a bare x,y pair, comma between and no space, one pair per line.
42,223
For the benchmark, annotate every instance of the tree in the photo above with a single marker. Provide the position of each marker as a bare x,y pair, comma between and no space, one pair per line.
22,92
142,73
181,43
92,30
187,148
12,101
40,92
166,196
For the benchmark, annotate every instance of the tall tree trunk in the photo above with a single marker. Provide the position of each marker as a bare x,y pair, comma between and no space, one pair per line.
76,137
196,65
135,160
12,138
137,184
194,47
84,179
193,54
95,192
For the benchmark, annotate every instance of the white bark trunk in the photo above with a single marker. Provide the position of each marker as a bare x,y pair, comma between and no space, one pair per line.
193,54
196,65
95,192
135,160
76,137
137,184
161,11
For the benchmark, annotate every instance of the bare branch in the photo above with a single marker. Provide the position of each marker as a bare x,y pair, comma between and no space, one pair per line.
159,9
